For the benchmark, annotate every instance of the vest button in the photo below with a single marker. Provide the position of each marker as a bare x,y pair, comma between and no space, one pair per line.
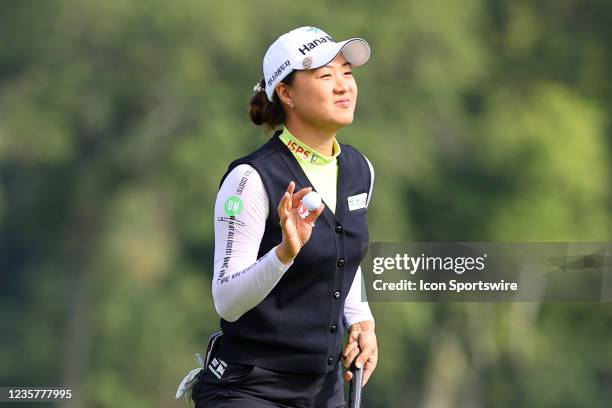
340,263
339,228
333,328
330,360
337,294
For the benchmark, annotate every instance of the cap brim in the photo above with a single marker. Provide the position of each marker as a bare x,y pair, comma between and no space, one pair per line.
355,50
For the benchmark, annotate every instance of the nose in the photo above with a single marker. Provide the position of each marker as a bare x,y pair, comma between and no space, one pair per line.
342,85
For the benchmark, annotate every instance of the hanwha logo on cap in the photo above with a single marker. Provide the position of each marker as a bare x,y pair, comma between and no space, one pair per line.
307,62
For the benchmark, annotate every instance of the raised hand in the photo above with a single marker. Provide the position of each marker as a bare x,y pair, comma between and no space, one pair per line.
296,230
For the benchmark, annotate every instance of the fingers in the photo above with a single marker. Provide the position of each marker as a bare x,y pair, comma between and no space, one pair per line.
289,193
348,361
351,351
361,350
367,372
284,204
291,187
299,195
367,359
294,197
368,369
350,345
367,356
314,214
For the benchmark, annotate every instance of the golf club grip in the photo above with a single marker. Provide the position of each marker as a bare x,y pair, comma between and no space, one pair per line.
355,388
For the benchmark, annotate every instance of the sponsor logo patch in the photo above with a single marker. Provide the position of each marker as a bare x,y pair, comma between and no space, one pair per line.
306,154
278,71
314,44
233,206
357,201
217,367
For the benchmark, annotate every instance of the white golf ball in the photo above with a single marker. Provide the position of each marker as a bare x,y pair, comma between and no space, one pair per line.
311,201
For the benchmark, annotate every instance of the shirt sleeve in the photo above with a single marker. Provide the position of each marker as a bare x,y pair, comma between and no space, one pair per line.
240,280
354,309
372,175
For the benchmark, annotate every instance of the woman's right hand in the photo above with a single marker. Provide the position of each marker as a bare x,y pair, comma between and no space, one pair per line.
296,230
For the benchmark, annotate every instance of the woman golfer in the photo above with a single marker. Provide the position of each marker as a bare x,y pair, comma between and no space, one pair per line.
287,282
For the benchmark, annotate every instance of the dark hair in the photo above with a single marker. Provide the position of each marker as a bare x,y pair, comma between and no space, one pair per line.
264,112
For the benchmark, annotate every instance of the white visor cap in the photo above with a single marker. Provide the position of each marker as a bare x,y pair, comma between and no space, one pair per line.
308,48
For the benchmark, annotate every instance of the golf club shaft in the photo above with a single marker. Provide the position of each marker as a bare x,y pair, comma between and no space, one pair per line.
355,388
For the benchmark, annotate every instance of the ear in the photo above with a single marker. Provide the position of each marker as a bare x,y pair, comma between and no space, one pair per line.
285,94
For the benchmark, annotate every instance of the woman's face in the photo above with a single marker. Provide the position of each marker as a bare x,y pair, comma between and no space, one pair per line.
324,97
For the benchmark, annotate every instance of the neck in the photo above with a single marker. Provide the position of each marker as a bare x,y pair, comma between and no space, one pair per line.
322,140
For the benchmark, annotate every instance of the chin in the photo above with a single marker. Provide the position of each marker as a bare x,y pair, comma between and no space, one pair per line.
344,120
339,124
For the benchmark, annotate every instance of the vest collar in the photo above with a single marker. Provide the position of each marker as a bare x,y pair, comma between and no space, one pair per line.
301,179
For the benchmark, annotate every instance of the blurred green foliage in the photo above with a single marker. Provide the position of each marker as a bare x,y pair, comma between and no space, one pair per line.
484,119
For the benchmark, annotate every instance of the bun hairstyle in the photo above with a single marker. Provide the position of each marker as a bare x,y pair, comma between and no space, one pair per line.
264,112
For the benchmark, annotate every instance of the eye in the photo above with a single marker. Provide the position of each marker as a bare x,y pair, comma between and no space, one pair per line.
326,76
348,73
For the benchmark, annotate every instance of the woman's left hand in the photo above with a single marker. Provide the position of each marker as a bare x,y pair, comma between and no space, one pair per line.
361,347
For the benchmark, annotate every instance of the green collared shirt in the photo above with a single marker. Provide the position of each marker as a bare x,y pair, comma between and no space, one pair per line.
321,170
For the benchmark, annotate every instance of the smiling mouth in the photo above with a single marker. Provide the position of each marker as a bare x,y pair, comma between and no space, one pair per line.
343,102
